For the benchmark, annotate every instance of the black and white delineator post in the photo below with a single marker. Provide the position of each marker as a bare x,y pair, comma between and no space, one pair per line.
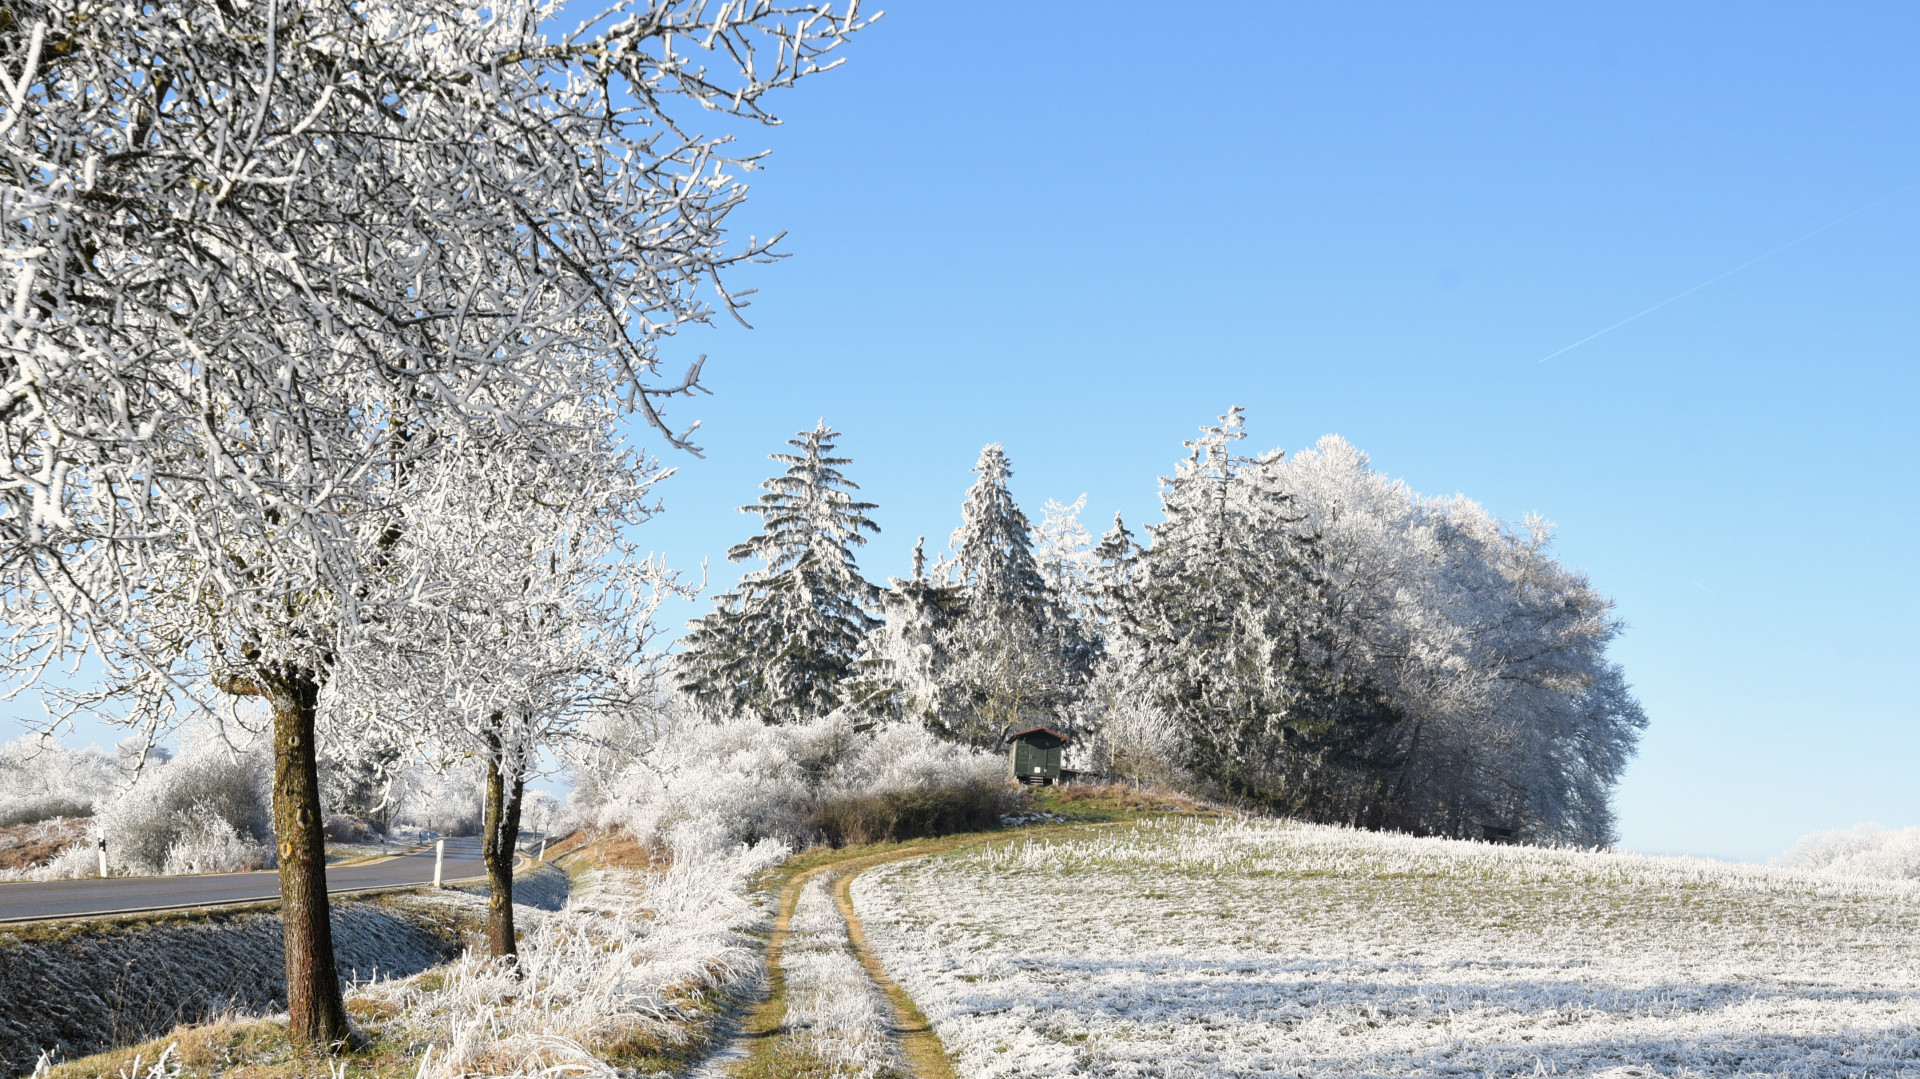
542,856
439,859
103,856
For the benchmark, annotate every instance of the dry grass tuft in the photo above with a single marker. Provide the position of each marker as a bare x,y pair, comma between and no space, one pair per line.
30,846
1119,797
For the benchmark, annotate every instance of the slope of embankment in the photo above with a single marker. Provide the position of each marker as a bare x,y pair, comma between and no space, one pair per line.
74,988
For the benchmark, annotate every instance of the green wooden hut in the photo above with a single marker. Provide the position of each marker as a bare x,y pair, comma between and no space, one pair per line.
1035,754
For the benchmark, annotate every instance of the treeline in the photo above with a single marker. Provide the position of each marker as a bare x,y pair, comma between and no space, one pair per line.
1301,633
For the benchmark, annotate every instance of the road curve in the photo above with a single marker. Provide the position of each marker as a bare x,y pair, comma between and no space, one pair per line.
38,900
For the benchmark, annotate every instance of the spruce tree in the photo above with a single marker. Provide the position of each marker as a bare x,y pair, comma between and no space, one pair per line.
782,644
1115,570
1014,656
904,673
993,547
1226,623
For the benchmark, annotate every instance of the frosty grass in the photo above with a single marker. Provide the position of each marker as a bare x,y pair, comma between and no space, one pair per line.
833,1008
1194,949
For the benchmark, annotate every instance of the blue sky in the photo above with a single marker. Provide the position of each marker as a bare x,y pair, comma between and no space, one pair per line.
1081,230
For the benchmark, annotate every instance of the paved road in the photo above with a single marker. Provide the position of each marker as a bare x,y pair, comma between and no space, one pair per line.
32,901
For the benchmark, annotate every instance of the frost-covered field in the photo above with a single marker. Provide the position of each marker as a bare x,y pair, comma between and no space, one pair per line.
1193,949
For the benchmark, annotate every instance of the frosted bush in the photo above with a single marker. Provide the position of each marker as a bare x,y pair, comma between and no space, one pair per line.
79,860
906,757
1865,851
171,804
1131,738
206,843
742,780
41,779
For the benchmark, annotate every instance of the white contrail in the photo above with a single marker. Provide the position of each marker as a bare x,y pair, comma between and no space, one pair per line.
1730,273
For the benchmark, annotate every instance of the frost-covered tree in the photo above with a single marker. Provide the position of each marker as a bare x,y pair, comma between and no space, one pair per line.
783,644
1494,654
993,547
1112,572
542,611
262,262
903,671
1326,641
1012,654
41,779
1066,556
1226,630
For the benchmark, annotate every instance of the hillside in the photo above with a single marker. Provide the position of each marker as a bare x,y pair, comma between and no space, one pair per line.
1232,948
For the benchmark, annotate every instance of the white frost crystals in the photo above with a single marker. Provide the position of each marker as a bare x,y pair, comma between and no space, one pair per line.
833,1008
1214,949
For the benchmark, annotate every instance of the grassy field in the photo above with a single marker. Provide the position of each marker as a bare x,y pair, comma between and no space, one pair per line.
1201,948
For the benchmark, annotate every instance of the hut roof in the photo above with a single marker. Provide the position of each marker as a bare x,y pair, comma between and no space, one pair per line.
1039,730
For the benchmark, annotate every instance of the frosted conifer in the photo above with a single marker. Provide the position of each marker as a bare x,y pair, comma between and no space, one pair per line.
904,672
781,644
1113,571
1065,554
1225,619
1013,656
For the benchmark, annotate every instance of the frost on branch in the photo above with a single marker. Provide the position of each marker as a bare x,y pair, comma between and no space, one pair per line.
263,260
266,265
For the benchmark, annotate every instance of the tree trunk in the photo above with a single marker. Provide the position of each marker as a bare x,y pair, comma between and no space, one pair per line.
506,782
316,1013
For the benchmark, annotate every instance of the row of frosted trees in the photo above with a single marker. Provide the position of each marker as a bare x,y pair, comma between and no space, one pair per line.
319,326
1302,633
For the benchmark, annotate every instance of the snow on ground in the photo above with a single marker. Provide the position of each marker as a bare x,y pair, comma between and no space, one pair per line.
1196,949
833,1008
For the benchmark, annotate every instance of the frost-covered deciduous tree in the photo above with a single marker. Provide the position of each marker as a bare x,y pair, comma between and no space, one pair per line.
1493,652
262,263
41,779
784,643
541,613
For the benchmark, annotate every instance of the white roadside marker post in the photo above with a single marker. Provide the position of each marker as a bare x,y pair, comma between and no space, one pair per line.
542,856
103,857
439,859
